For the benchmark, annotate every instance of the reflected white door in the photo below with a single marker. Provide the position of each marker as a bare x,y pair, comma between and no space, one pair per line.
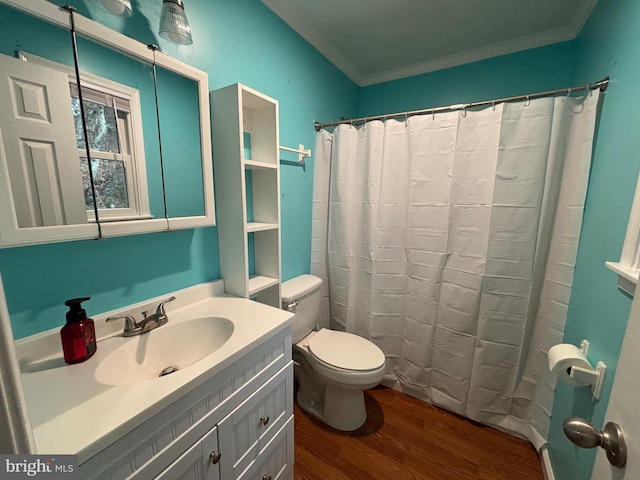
38,145
623,403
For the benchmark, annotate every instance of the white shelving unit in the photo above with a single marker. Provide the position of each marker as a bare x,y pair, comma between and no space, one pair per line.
247,179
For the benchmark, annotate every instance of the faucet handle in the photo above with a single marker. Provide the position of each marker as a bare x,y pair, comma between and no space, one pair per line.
160,309
129,322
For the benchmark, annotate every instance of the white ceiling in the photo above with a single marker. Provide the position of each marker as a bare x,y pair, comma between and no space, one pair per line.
374,41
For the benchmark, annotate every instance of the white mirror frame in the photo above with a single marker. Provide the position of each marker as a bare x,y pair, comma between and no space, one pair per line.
53,14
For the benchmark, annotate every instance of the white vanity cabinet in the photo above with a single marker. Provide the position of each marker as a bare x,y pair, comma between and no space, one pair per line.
236,424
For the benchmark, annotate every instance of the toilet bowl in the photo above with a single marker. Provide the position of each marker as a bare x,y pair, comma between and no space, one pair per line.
332,368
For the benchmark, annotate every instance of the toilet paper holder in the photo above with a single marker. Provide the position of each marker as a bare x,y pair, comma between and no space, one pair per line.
593,376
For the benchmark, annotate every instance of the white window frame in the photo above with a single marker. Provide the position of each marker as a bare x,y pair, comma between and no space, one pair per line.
134,158
628,268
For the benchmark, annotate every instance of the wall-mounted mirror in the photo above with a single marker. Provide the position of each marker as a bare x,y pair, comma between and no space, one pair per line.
182,159
122,130
147,172
40,165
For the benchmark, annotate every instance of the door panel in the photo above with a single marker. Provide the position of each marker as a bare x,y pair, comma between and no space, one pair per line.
39,141
623,404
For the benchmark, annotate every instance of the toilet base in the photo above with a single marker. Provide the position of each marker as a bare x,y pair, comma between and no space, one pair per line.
344,409
310,392
340,408
311,404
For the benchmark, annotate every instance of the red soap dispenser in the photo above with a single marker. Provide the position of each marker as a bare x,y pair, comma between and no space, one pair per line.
79,334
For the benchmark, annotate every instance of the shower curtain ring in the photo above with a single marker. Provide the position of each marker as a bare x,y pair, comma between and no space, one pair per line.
527,102
433,114
568,92
493,105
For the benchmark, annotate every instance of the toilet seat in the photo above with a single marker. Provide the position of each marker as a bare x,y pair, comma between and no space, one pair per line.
345,351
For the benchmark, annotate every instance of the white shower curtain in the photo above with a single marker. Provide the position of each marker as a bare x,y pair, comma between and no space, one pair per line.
450,240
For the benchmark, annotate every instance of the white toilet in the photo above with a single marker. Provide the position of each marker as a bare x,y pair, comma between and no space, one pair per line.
332,368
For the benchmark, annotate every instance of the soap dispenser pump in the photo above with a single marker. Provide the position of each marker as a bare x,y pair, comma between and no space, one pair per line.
79,334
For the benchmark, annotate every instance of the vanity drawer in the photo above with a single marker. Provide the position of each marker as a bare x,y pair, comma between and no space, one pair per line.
275,461
196,462
246,431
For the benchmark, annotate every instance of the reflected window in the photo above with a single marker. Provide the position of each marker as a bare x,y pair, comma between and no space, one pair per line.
108,121
114,133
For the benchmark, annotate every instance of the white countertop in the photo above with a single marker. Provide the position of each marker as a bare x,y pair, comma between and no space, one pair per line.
73,413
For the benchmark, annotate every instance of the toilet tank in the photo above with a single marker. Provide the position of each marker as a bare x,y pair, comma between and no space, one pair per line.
301,295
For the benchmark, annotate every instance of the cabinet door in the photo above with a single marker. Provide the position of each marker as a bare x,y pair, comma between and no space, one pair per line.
250,427
200,462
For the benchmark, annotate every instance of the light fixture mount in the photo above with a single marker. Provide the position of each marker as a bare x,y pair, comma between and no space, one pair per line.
120,8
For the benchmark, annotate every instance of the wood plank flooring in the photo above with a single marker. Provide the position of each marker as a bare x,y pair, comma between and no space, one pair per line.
407,439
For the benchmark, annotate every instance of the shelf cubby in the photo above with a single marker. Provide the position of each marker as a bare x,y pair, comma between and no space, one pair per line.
247,176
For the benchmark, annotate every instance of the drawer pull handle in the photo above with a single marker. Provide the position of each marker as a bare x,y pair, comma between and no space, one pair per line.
266,477
264,420
215,457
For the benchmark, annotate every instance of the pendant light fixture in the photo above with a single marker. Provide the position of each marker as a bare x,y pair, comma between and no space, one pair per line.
174,25
121,8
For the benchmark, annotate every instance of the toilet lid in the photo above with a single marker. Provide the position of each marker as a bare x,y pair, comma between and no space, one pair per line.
345,350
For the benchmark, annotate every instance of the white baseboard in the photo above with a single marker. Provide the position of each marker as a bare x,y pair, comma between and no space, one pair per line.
547,468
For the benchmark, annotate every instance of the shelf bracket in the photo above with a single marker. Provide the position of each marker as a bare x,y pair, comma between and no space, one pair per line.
301,151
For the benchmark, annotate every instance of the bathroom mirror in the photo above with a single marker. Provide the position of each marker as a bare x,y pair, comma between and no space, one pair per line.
179,116
40,171
131,180
122,132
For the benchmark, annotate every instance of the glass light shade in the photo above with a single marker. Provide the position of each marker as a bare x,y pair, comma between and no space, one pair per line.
121,8
174,25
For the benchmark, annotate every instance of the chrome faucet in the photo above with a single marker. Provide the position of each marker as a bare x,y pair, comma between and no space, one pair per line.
131,327
157,319
148,323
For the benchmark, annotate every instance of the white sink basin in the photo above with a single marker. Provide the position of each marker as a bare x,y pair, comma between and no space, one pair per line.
167,349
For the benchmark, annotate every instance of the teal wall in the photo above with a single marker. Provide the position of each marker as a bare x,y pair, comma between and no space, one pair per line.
609,45
234,41
519,73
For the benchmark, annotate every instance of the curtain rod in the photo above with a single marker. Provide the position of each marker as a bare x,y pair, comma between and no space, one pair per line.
601,85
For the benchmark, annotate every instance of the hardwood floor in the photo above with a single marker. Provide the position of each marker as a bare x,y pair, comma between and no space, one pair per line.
404,438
